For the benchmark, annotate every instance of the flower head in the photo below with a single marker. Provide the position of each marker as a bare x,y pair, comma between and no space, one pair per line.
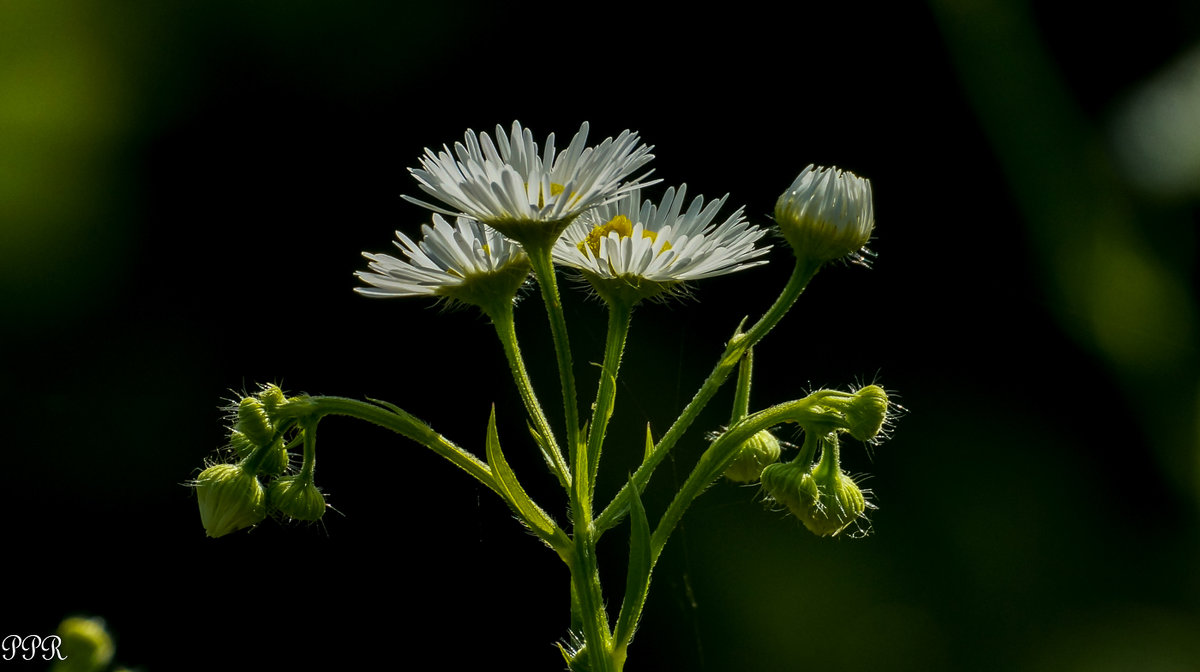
826,214
646,249
469,263
527,196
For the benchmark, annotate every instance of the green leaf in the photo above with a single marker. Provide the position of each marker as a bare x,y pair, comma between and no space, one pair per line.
511,490
637,581
649,444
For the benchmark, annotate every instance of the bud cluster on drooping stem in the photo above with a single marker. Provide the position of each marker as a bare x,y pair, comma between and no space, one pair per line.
825,499
232,496
814,488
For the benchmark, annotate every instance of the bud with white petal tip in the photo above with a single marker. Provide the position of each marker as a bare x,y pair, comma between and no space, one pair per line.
826,214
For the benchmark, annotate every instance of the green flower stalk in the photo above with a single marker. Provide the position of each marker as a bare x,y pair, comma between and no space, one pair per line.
520,210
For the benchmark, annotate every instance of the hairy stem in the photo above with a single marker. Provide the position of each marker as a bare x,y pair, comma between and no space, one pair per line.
801,275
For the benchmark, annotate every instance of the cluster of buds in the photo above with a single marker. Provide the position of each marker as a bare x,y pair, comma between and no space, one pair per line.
232,496
819,493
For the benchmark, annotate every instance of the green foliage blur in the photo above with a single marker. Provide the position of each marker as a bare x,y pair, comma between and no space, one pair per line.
186,187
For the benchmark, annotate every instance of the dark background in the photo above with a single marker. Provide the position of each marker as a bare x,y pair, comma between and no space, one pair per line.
185,190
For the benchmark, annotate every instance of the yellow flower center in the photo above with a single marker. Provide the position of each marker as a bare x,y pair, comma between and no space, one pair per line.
624,229
555,190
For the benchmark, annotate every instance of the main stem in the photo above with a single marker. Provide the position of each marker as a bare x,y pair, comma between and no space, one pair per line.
585,574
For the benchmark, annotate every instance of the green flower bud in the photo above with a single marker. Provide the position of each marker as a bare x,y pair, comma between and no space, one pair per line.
824,499
826,214
792,485
278,407
253,422
240,444
867,412
276,462
230,499
86,646
753,456
296,497
271,398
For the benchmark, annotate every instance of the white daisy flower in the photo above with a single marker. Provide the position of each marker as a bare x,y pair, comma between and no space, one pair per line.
649,249
526,196
826,214
468,262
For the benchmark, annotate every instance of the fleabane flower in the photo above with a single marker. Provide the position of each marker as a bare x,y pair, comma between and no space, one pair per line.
467,263
636,250
527,196
826,214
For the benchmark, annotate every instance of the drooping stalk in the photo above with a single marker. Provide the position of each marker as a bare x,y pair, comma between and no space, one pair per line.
399,421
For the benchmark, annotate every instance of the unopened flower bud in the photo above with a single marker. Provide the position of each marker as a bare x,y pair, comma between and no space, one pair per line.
296,497
867,412
279,407
824,499
253,422
826,214
792,485
242,447
276,461
230,499
85,647
752,457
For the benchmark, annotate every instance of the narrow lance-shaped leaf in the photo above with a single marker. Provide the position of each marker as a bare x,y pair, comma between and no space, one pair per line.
511,489
637,581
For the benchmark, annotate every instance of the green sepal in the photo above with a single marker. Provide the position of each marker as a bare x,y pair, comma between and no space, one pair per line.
512,492
641,562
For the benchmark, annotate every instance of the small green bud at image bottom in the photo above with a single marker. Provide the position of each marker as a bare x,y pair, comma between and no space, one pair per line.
86,645
230,499
296,497
754,455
